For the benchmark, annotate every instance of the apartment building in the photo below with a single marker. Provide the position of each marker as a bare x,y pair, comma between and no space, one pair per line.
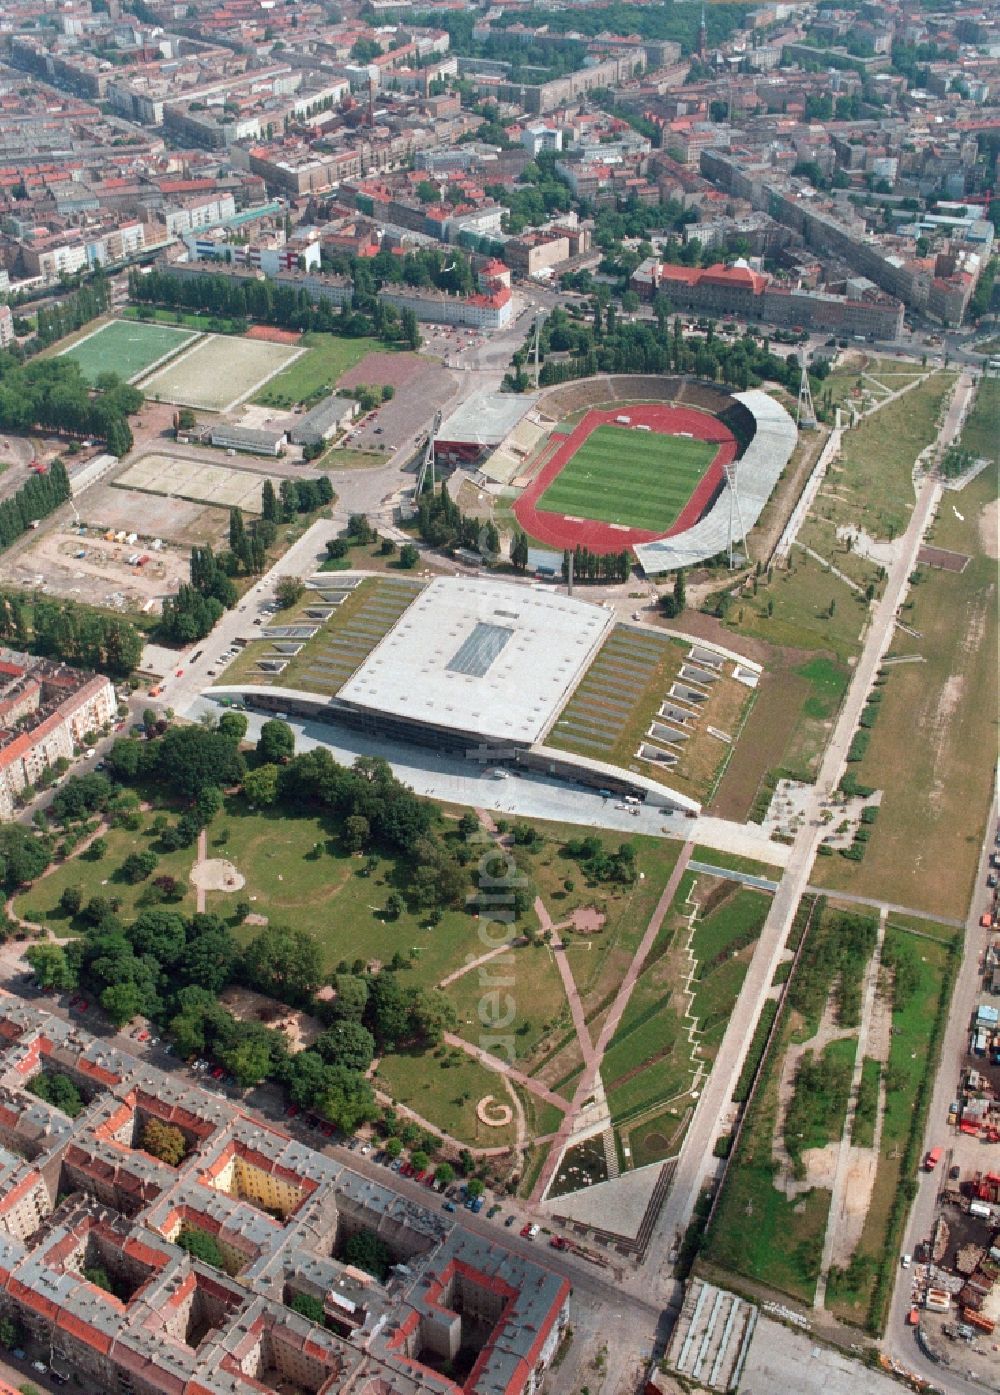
46,712
77,1195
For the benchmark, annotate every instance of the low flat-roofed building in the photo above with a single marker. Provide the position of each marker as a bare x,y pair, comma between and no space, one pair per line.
478,660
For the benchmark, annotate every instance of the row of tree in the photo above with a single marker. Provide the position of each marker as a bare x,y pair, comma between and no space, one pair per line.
39,496
62,317
597,566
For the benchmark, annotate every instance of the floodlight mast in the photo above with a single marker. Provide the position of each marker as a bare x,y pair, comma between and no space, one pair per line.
736,527
428,461
805,412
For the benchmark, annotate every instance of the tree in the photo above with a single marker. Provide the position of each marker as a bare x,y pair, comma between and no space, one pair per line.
189,758
366,1251
233,726
260,786
283,963
10,1333
409,329
269,503
444,1173
347,1044
71,900
122,1002
138,866
51,967
420,1160
309,1307
289,591
276,743
356,833
393,1146
200,1245
23,857
409,556
164,1141
519,551
57,1089
474,1187
351,999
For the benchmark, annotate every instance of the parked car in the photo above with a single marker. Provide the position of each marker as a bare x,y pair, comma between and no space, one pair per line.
449,1206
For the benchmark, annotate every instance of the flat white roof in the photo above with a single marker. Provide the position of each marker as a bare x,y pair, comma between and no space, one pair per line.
485,657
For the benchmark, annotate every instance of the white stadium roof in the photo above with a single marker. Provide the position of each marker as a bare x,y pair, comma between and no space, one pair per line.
484,657
485,418
757,472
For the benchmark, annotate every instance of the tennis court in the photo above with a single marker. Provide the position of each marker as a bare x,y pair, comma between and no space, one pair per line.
128,348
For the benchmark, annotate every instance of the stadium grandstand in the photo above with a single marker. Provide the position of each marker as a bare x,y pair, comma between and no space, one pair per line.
756,473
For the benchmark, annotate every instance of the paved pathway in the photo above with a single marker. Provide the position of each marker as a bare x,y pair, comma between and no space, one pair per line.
877,905
590,1058
471,964
492,1062
202,857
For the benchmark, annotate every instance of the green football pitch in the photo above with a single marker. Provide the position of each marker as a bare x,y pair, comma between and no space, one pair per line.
126,347
635,478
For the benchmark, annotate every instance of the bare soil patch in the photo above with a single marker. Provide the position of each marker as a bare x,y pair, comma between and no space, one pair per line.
989,529
941,557
216,874
300,1028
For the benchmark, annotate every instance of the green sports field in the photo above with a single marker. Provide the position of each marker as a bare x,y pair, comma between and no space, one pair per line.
635,478
126,347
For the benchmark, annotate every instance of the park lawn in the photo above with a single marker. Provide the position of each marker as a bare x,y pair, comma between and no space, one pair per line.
801,596
316,373
540,1117
524,985
732,919
40,903
598,971
930,742
820,534
785,732
300,875
444,1088
821,1114
908,1079
875,470
662,1078
658,1137
925,929
981,432
641,480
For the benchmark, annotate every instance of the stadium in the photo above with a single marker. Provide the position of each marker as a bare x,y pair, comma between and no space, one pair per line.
673,469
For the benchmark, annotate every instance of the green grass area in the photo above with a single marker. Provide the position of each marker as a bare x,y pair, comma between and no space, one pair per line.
639,479
316,373
185,319
523,984
759,1231
297,864
871,484
928,746
981,432
127,348
794,610
866,1109
444,1088
342,643
923,973
40,903
817,1110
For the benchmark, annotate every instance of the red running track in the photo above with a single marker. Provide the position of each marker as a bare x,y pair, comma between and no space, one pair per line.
557,530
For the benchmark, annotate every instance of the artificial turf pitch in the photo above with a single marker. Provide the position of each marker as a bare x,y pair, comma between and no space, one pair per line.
635,478
126,347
